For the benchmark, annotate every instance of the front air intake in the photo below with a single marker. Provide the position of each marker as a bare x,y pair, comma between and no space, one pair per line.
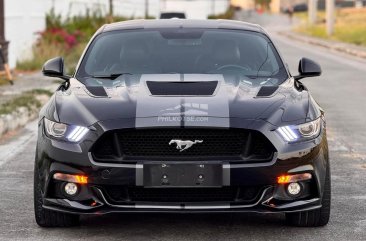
118,194
155,144
203,88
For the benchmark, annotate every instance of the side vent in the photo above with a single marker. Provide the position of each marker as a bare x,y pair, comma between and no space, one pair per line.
203,88
267,91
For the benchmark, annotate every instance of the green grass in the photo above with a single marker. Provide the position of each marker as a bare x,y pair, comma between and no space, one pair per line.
27,99
350,26
229,14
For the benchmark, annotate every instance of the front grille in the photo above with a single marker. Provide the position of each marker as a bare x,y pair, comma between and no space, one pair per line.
118,194
153,144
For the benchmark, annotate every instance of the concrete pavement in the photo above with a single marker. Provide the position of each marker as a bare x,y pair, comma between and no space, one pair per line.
340,91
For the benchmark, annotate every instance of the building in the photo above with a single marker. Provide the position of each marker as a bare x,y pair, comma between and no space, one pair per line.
244,4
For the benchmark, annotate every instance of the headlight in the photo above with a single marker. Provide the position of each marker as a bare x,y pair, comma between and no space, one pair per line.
301,132
54,129
64,132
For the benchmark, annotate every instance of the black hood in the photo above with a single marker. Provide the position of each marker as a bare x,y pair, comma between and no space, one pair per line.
150,100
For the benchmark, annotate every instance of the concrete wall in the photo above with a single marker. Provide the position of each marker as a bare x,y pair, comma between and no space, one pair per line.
77,7
195,9
25,18
127,8
136,8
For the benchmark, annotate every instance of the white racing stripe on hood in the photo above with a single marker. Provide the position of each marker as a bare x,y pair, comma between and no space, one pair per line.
182,110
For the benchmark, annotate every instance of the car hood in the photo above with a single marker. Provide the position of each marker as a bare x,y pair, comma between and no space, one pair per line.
131,97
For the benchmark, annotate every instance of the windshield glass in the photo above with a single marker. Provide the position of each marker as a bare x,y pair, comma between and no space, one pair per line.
248,56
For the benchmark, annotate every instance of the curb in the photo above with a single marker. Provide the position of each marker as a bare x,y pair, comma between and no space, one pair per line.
16,119
349,49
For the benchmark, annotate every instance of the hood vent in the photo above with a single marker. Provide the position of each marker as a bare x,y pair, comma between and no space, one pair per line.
203,88
96,91
267,91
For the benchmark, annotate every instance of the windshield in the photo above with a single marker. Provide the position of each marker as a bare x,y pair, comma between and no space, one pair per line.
246,55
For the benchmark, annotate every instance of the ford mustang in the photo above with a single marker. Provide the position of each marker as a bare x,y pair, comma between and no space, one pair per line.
181,116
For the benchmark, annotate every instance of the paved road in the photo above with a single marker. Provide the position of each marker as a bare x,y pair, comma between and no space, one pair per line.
342,93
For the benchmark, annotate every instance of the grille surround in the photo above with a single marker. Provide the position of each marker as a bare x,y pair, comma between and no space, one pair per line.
128,145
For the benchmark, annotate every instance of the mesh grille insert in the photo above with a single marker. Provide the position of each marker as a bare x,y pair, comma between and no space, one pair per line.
217,144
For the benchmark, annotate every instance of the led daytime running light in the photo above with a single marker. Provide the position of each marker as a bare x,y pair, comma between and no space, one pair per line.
77,134
287,133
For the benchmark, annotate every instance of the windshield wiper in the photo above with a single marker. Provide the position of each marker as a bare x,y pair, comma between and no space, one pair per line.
256,76
111,76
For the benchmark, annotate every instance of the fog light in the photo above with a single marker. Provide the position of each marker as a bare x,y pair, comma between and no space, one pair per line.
71,189
294,188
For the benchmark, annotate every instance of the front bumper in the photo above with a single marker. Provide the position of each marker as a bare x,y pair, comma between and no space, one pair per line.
263,205
95,200
311,157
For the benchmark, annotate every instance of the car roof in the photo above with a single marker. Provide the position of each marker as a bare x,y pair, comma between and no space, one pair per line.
182,23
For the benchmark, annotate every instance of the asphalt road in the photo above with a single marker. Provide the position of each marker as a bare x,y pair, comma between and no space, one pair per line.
342,93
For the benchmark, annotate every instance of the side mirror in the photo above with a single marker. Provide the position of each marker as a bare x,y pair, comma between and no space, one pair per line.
55,68
308,68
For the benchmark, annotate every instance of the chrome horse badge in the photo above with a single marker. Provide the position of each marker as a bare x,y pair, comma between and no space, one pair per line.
184,145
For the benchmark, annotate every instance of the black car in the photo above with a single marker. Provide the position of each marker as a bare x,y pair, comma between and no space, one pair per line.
181,116
169,15
303,7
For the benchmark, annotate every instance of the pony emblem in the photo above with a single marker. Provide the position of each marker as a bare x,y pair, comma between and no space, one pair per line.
184,145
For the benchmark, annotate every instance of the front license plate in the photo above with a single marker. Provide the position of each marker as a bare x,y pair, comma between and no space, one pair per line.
183,175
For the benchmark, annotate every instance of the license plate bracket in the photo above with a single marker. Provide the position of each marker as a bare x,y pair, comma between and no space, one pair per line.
182,175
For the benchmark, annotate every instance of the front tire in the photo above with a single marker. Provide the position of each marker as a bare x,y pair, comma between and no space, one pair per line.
314,218
49,218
